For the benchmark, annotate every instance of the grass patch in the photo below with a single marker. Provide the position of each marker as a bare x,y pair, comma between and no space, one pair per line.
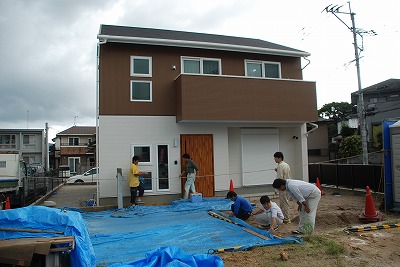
332,248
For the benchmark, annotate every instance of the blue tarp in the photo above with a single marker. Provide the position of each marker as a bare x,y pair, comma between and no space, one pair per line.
173,257
175,235
49,221
125,235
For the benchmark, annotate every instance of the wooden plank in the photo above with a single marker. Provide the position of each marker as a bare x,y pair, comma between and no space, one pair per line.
30,230
255,233
216,215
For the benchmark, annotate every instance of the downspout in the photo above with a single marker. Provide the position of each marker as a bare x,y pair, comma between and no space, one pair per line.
97,117
313,129
309,61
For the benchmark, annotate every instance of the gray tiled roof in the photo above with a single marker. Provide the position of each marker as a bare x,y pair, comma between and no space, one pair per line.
385,86
79,130
159,34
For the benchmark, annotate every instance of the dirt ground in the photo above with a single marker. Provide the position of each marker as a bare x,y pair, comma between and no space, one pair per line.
330,245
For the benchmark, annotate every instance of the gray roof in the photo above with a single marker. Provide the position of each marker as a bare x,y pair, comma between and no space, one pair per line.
385,86
112,33
79,130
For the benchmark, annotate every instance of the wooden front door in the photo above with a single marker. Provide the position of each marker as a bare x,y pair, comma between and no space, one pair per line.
200,149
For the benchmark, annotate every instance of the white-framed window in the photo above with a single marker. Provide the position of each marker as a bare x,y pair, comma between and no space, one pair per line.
28,140
208,66
156,163
143,152
162,167
141,91
265,69
73,163
141,66
73,141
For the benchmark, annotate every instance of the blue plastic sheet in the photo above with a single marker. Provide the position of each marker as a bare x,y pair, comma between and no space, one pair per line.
125,235
180,234
173,257
50,221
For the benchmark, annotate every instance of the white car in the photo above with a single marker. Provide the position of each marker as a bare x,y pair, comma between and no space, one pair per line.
87,177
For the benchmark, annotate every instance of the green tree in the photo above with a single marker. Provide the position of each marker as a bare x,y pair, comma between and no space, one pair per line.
336,111
350,146
346,131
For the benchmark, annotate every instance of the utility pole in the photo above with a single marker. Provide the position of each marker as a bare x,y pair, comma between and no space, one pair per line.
47,160
360,105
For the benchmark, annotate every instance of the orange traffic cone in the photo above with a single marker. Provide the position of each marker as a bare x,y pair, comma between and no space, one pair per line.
7,207
319,185
370,214
231,186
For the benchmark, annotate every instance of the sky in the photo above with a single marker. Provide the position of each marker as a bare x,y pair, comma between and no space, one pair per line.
48,47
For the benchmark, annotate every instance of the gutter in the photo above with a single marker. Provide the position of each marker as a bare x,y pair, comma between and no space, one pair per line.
203,45
313,129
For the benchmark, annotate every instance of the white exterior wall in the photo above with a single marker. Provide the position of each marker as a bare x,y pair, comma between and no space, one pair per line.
118,133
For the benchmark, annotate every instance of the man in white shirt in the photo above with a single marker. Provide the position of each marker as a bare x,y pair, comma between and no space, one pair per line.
307,197
283,172
269,214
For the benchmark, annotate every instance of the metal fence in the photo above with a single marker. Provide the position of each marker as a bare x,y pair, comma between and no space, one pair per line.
352,176
34,188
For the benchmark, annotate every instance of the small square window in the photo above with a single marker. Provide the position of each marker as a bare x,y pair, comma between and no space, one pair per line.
141,91
191,66
271,70
254,70
143,152
210,67
141,66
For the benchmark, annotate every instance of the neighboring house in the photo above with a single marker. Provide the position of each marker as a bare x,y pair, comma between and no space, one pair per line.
30,142
381,102
318,142
229,102
75,147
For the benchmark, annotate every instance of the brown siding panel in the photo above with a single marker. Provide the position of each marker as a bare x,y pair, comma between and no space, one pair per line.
244,99
204,97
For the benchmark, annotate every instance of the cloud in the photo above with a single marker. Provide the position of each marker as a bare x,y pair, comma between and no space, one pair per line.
48,48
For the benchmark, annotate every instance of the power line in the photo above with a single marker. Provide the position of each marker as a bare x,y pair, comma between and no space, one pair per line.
335,9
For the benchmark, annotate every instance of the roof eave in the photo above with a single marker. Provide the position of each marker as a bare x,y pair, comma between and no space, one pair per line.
202,45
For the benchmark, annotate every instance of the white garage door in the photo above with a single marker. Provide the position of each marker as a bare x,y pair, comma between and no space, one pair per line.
258,148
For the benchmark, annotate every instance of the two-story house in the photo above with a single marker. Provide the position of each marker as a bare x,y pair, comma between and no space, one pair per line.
75,147
229,102
381,102
31,143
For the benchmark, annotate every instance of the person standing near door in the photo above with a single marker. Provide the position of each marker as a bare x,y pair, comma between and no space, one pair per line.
190,170
134,181
283,172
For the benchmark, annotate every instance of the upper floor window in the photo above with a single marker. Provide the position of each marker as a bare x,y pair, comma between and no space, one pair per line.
7,140
141,91
264,69
201,65
141,66
28,140
73,141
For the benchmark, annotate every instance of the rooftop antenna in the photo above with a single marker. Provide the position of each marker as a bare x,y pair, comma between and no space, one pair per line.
335,9
75,120
27,119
